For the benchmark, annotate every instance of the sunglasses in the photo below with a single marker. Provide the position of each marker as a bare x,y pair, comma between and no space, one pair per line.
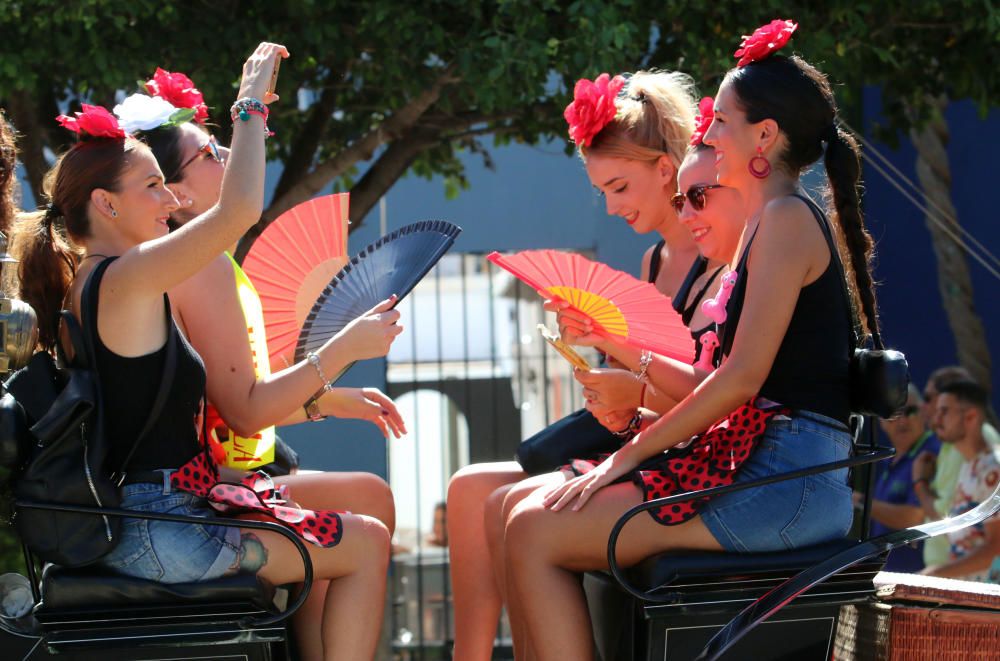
210,148
905,412
695,195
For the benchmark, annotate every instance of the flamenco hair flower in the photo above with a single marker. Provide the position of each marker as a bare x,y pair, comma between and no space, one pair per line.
178,90
93,121
593,107
765,40
139,112
706,113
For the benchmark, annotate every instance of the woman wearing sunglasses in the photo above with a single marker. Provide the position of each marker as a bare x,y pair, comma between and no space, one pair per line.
217,308
632,161
778,402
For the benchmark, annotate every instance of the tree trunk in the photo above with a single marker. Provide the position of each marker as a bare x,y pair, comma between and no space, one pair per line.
954,283
31,148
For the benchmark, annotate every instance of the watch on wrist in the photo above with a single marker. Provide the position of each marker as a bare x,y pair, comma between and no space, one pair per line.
312,410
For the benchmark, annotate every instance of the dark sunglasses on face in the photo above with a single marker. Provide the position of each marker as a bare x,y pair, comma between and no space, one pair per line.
210,148
695,195
906,411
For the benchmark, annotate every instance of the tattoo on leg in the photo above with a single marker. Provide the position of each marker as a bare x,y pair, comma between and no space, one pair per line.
253,553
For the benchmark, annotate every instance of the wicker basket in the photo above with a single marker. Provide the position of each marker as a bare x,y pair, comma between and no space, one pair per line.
918,617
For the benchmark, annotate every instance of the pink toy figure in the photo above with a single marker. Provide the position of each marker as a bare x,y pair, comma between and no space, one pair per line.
715,308
709,342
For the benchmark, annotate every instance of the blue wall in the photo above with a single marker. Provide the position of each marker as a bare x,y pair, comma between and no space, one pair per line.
913,315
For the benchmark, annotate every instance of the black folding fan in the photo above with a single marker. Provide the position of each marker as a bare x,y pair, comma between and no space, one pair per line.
392,265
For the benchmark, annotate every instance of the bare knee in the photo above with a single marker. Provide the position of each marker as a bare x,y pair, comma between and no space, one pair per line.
525,533
493,516
370,542
376,491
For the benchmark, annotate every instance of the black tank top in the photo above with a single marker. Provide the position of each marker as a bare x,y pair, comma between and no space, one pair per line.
810,370
698,267
128,388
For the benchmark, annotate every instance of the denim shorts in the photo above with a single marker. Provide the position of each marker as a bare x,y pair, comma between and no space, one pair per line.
172,552
794,513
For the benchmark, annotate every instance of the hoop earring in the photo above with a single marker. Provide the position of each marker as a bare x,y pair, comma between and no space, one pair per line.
759,166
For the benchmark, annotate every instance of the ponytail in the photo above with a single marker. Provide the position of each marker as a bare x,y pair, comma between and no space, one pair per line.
46,269
45,241
843,167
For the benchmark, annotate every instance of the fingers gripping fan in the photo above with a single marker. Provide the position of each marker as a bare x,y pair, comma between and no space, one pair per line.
290,263
392,265
621,307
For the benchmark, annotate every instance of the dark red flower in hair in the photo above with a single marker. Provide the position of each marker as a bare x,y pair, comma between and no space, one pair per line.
706,113
94,121
593,107
765,40
179,91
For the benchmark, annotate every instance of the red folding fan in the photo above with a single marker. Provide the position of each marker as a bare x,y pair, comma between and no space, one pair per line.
618,304
291,262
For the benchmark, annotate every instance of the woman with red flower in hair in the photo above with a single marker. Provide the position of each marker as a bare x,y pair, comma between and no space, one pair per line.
108,198
631,135
778,402
217,307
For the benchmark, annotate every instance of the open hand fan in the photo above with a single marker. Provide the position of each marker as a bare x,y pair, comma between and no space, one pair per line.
392,265
291,262
620,306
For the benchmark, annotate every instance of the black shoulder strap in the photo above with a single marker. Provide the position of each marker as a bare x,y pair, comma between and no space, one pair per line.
654,260
698,267
88,315
824,225
696,299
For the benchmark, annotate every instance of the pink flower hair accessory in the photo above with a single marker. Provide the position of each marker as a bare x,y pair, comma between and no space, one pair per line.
93,121
765,40
593,107
706,113
179,91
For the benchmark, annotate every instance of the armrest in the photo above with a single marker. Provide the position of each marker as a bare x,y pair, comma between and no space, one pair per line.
616,572
767,605
180,518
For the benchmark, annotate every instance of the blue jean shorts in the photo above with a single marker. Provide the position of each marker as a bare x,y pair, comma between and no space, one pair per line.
172,552
794,513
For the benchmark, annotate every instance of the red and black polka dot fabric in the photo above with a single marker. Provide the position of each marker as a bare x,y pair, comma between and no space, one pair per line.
256,493
711,459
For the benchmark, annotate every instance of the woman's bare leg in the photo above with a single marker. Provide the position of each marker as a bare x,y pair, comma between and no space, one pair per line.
496,525
546,551
358,493
356,569
477,597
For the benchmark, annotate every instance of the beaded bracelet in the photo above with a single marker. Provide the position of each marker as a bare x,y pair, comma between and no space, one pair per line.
633,427
246,107
313,359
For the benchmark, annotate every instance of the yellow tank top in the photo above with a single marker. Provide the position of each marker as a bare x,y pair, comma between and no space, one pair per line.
257,450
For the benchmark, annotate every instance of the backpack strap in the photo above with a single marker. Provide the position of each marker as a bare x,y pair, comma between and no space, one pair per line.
88,315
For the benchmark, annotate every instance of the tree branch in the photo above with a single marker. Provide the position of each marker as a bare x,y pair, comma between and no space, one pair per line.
361,149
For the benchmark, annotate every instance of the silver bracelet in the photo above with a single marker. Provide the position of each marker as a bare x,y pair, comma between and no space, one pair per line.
313,358
644,360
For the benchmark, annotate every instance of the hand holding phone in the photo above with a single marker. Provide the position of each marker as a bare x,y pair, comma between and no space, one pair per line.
565,350
274,76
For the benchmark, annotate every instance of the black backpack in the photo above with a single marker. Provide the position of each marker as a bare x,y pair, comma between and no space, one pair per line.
68,461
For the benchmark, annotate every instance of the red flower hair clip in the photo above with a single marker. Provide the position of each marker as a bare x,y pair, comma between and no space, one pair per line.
179,91
706,113
765,40
593,107
94,121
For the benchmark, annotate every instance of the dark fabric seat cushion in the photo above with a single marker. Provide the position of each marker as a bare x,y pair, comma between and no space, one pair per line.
674,567
90,588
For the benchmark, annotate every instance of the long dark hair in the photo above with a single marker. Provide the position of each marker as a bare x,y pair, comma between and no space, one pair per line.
45,240
165,143
799,98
